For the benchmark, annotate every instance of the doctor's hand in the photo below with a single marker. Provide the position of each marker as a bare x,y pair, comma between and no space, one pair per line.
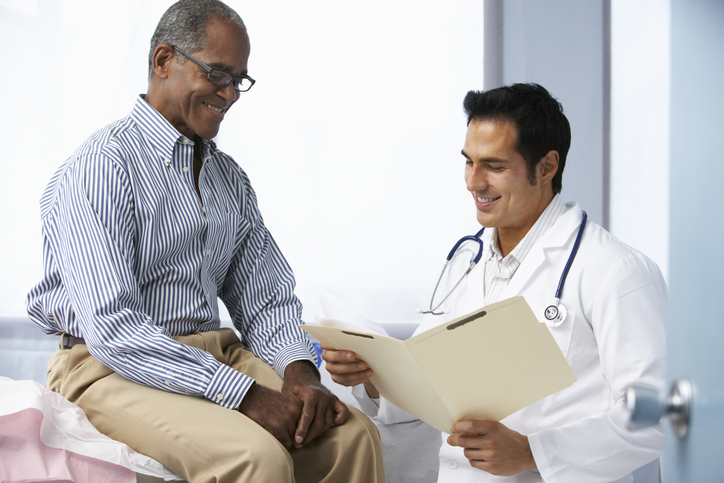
347,370
492,447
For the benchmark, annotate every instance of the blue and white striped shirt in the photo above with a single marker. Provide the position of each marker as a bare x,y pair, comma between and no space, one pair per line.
133,257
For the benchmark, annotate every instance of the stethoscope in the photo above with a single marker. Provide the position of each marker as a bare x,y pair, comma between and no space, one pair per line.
555,313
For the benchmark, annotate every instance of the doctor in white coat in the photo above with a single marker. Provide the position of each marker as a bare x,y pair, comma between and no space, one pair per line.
613,334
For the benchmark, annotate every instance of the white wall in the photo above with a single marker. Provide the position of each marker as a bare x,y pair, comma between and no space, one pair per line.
351,135
560,44
563,45
640,104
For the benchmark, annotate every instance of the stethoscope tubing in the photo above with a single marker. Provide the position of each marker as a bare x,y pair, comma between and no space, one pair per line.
555,314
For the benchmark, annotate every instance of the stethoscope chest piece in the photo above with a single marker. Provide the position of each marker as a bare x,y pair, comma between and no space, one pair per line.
555,315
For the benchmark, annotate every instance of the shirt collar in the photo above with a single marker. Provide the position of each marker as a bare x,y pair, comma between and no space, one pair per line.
160,132
546,220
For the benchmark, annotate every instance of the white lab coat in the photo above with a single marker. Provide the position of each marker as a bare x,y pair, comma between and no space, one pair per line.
613,337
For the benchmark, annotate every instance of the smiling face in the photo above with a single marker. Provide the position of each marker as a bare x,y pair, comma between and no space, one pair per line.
496,174
182,93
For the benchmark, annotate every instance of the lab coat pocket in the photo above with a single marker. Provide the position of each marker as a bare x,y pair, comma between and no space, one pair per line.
562,334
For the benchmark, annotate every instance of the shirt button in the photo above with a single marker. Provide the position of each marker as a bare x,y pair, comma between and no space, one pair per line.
186,169
220,397
452,464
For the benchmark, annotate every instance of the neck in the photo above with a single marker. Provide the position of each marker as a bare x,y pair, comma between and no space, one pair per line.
509,237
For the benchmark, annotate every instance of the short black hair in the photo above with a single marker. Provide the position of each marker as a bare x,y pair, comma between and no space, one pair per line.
538,117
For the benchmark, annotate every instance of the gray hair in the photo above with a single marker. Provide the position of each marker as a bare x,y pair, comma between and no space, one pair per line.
184,26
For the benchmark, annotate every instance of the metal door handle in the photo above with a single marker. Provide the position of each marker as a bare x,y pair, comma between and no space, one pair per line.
645,407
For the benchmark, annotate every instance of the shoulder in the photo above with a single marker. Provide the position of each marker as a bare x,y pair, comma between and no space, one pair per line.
99,160
596,241
608,262
112,144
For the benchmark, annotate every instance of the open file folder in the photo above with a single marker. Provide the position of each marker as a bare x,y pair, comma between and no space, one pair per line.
485,365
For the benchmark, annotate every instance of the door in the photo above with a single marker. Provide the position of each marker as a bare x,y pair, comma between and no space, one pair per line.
696,278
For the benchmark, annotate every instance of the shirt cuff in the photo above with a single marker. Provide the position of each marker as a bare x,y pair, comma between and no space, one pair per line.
541,461
228,387
369,406
292,353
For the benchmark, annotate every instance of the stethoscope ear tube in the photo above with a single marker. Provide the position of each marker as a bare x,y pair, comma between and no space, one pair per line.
554,314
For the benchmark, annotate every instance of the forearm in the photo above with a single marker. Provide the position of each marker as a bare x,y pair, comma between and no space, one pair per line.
153,359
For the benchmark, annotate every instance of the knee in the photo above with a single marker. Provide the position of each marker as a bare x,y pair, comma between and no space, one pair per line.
362,430
266,460
262,459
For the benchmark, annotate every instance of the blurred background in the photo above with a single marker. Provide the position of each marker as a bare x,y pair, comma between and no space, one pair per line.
352,134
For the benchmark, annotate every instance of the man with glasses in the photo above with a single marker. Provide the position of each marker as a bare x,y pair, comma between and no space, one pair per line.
145,227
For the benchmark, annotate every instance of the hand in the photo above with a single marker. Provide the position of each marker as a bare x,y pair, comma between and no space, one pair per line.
347,370
321,409
276,412
493,447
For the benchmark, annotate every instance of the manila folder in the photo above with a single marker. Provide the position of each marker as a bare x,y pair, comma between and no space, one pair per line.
485,365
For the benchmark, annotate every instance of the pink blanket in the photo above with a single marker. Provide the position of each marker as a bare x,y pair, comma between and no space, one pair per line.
24,457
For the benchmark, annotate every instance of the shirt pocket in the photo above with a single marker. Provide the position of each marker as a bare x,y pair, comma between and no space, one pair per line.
562,334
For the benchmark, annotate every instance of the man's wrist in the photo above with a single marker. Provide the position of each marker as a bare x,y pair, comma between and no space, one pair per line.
302,368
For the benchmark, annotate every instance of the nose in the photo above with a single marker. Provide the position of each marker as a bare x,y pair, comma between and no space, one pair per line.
475,177
228,92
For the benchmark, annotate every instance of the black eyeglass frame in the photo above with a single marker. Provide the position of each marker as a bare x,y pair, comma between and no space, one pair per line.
209,70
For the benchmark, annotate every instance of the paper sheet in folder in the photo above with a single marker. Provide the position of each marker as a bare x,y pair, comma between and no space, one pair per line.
486,365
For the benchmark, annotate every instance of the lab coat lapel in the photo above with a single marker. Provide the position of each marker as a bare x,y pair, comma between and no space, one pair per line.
550,244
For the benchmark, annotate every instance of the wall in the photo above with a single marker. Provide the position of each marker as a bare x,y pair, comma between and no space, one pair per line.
607,62
351,136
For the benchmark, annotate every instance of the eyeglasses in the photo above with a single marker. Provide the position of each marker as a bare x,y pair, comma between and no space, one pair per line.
219,77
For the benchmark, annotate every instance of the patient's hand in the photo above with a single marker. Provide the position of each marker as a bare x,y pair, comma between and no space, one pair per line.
347,370
276,412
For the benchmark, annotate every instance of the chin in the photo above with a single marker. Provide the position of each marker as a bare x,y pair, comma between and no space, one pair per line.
208,135
486,221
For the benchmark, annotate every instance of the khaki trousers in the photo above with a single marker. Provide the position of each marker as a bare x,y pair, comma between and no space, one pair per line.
202,441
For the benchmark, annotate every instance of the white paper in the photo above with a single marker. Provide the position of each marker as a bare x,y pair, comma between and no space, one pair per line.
337,314
65,426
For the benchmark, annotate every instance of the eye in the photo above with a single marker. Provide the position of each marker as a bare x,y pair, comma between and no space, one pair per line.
219,77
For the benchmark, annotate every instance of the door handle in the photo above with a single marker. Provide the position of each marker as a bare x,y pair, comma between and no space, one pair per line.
645,407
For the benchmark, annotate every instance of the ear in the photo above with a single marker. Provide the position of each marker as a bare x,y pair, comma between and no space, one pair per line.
162,57
548,166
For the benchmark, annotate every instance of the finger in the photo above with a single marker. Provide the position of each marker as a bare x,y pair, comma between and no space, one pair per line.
284,436
341,412
319,424
305,420
472,426
466,441
346,367
331,415
338,356
476,454
354,379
